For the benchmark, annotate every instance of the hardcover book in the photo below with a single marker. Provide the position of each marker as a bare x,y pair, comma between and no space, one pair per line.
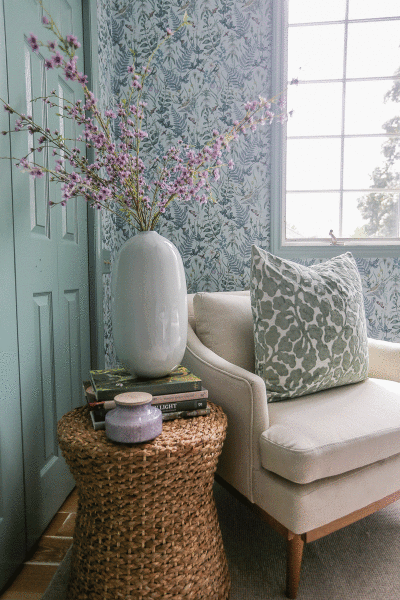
107,383
98,416
186,414
165,407
197,395
157,400
182,405
98,419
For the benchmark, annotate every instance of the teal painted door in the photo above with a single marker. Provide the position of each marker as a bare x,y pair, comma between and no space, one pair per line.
51,267
12,512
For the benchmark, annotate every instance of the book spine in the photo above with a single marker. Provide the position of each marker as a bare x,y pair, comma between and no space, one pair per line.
97,424
98,413
182,405
156,389
109,404
185,414
203,393
163,406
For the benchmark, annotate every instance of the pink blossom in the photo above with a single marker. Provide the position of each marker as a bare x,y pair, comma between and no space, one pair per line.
83,79
33,42
24,163
36,172
70,68
57,59
73,41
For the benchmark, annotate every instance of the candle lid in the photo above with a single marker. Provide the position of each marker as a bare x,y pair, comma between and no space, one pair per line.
133,398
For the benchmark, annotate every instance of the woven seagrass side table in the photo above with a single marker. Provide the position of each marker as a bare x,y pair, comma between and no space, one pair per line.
146,525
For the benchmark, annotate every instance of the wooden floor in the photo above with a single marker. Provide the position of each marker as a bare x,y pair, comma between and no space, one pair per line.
40,566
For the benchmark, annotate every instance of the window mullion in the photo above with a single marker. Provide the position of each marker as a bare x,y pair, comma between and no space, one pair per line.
346,29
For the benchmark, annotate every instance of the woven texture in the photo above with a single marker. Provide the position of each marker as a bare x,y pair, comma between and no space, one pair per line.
147,526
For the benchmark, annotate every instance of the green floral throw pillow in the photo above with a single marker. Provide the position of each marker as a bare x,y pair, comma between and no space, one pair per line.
309,324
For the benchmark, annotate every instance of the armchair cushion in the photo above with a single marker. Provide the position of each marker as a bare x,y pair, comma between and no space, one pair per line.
309,324
224,324
333,431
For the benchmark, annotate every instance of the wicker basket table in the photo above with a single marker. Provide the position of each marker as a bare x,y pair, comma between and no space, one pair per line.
146,525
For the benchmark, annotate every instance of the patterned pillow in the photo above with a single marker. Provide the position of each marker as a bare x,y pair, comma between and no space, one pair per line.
309,324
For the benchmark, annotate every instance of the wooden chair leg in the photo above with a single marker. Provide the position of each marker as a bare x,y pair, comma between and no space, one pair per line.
295,547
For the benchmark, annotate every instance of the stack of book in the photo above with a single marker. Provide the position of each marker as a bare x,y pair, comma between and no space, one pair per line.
178,395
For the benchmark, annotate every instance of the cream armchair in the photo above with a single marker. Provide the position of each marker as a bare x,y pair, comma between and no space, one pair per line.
308,466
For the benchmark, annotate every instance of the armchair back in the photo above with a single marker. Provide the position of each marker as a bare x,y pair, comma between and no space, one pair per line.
223,322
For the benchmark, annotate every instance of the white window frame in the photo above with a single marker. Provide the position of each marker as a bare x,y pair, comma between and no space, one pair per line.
321,248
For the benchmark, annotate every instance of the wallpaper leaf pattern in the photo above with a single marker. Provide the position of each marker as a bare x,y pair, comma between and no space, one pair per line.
380,279
201,80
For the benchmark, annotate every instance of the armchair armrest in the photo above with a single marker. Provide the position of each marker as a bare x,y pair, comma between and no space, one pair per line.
243,398
384,360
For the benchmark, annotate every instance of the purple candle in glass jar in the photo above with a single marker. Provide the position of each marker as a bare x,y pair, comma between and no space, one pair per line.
134,420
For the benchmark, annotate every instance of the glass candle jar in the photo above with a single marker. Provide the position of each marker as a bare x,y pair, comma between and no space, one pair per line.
134,420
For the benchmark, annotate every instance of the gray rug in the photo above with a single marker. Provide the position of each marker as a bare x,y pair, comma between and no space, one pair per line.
359,562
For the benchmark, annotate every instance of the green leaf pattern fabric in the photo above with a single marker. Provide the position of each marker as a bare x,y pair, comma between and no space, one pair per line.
309,324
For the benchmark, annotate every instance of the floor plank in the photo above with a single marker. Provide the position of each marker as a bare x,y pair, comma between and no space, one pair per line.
50,550
40,566
33,579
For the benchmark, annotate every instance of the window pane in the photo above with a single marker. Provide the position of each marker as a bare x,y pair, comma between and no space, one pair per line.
317,109
324,209
362,156
371,215
366,110
368,9
316,52
353,221
308,11
373,49
313,164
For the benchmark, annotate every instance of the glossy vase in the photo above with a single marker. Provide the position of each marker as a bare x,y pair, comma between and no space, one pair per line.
149,305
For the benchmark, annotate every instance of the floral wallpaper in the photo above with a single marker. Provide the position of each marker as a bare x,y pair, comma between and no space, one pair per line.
204,75
381,285
380,279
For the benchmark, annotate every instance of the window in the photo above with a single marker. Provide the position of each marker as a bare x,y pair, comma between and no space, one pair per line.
336,163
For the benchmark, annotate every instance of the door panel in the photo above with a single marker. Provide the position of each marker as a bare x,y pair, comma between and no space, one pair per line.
51,269
44,350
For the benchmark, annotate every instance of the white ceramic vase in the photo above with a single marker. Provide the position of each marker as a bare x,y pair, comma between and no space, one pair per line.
149,305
